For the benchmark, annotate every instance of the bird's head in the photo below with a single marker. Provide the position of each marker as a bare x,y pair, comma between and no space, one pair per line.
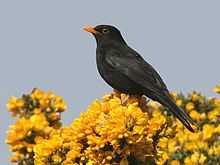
105,33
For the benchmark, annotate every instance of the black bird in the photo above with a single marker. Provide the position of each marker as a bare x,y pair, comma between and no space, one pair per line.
126,71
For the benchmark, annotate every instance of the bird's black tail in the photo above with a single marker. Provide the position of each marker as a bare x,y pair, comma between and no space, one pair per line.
177,111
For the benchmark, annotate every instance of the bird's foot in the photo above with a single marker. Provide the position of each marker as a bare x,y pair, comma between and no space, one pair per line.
128,98
143,103
124,97
124,101
115,91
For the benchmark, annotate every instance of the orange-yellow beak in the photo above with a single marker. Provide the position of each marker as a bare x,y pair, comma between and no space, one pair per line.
90,29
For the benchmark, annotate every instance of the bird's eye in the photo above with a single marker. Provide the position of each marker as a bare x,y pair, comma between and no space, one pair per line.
105,30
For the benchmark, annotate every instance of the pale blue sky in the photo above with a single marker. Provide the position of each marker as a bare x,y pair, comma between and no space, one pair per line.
42,44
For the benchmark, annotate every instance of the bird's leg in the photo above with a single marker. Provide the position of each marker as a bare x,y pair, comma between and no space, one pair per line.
116,91
143,103
147,100
130,97
124,101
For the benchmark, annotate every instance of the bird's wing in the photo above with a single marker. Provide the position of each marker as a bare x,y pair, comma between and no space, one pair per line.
137,70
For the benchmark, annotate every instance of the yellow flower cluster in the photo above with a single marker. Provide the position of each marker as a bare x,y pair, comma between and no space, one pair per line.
109,132
217,89
202,147
115,130
39,114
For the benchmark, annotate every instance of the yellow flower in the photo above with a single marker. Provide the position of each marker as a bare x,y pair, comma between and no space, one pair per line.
179,102
214,114
174,162
163,158
16,157
56,158
195,115
195,97
190,146
217,89
173,94
59,104
37,111
217,129
195,158
190,106
192,159
46,148
37,94
39,122
14,105
202,158
171,146
163,143
208,131
19,131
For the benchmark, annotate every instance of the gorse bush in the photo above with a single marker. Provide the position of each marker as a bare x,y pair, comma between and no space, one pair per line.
113,130
38,116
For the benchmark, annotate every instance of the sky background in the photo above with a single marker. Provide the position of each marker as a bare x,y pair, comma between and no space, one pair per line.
42,45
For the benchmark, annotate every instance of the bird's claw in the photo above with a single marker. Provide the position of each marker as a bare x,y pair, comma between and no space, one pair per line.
125,100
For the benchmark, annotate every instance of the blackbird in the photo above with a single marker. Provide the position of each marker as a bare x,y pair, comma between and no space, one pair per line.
126,71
